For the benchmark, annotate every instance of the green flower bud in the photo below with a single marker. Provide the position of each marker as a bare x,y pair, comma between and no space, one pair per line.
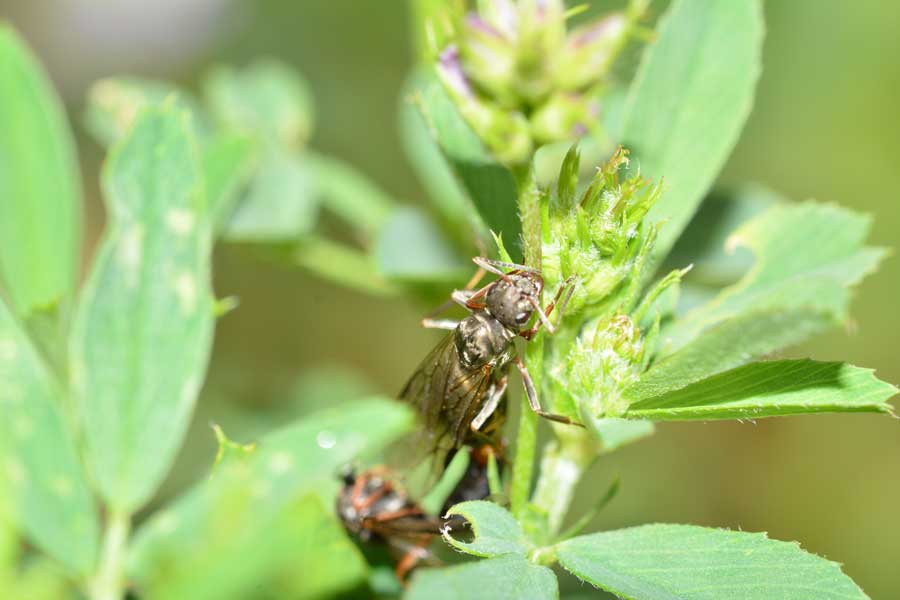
600,236
604,360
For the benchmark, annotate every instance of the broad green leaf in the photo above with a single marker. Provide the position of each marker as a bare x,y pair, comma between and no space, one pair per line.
218,524
730,343
143,330
508,576
114,103
703,243
280,204
227,163
40,187
684,562
491,186
768,389
689,100
50,500
349,194
410,248
806,256
267,99
302,552
495,530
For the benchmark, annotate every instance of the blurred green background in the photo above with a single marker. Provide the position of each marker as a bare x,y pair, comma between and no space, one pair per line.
825,126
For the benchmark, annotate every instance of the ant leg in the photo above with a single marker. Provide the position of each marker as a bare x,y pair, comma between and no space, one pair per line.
533,402
544,314
495,266
491,405
448,324
460,297
411,557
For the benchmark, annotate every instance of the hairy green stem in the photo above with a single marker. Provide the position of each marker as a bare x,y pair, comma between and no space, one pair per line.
109,583
526,438
564,461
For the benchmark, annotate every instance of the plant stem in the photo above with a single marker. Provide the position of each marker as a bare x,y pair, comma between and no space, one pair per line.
526,439
108,584
564,462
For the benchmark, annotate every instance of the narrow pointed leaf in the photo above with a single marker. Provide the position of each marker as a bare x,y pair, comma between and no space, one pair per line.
731,343
40,193
768,389
143,330
687,105
508,576
490,185
684,562
50,500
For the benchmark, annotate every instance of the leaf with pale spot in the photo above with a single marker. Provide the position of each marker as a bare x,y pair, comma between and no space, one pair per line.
50,500
143,330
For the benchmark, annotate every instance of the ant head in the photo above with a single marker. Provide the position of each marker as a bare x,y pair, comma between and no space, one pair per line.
513,298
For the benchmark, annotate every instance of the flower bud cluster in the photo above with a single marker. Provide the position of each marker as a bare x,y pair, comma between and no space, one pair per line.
521,79
598,235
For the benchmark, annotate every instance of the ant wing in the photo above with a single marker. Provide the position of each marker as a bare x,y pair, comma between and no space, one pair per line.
446,397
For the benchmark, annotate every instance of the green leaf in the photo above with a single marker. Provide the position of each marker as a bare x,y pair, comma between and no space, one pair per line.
40,187
219,526
114,103
731,343
495,530
424,155
508,576
410,248
348,193
689,100
39,463
280,204
704,240
143,330
806,256
342,264
227,163
684,562
491,186
768,389
266,99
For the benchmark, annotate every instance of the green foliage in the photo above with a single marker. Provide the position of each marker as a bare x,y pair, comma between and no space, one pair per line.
261,516
40,189
490,185
135,381
766,389
496,85
508,576
656,562
49,497
689,101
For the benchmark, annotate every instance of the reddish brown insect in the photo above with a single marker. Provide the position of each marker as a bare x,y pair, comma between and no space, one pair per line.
372,508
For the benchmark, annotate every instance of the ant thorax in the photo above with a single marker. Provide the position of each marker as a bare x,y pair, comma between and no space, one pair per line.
512,300
481,339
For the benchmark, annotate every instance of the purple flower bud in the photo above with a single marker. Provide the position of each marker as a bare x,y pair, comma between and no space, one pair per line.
451,71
